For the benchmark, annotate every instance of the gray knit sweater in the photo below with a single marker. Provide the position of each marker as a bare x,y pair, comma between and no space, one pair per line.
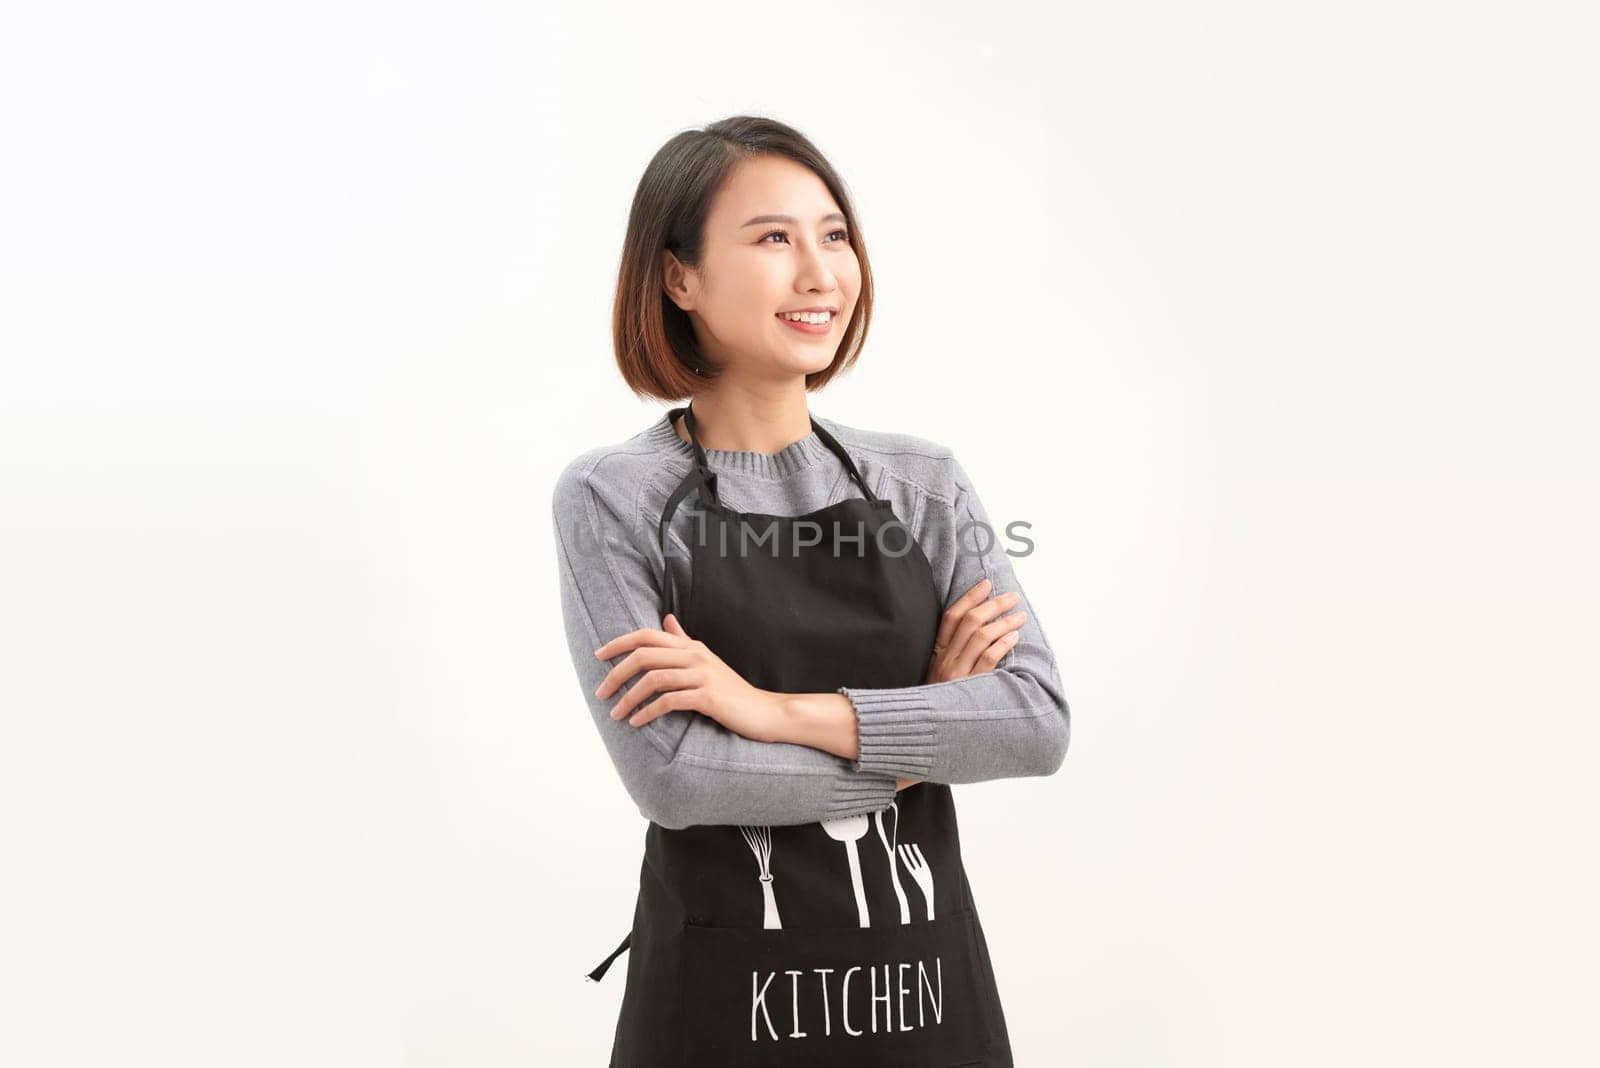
684,768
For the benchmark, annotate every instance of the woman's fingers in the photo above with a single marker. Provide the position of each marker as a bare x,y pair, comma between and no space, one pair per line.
990,657
981,639
969,632
980,615
950,636
669,701
975,634
635,638
650,684
651,656
953,615
983,613
996,629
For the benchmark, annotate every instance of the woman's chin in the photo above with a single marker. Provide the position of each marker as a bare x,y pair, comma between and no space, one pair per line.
800,359
809,358
811,366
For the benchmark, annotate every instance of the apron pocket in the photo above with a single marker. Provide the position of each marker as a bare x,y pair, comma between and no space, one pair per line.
897,994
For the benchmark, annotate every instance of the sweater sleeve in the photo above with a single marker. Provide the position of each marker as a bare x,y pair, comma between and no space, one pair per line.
1007,723
681,768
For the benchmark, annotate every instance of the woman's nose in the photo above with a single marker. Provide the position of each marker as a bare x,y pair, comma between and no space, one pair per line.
814,269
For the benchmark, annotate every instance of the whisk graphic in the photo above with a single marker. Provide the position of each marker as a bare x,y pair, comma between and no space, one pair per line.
759,839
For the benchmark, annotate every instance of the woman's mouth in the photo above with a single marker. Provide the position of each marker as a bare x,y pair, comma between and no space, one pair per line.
808,322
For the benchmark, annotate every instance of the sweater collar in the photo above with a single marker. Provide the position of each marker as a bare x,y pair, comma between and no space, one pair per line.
770,465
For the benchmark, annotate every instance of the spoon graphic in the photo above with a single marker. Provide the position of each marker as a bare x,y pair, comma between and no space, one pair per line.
848,829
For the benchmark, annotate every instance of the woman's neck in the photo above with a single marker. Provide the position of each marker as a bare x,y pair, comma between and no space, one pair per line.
742,423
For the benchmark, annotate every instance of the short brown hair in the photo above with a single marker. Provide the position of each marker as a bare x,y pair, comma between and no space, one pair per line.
654,341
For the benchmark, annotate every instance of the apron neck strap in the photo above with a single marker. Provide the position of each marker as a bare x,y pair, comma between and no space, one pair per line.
709,479
844,457
704,480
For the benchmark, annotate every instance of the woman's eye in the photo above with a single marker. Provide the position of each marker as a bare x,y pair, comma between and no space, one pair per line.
843,234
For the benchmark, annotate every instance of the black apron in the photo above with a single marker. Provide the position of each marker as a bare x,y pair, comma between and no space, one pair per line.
848,942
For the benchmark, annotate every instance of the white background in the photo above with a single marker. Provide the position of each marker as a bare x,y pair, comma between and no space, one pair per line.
1276,321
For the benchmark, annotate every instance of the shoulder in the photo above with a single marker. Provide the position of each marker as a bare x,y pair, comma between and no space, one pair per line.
924,462
613,473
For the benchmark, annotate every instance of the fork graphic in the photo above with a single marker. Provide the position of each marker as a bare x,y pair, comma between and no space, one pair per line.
911,854
889,841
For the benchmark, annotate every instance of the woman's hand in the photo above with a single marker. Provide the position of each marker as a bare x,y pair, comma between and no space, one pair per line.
971,639
687,675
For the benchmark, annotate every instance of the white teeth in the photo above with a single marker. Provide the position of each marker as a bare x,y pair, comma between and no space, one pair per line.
820,318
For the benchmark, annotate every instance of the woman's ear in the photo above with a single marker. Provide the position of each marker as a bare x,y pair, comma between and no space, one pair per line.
680,283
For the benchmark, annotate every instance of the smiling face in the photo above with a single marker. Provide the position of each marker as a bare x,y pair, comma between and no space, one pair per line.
775,242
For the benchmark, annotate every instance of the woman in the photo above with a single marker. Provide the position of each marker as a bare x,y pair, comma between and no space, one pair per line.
805,633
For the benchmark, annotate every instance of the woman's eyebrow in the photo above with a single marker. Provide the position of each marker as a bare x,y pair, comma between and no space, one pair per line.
790,219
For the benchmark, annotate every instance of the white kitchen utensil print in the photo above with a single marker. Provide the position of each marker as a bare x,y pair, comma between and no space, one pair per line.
848,829
894,867
759,839
920,871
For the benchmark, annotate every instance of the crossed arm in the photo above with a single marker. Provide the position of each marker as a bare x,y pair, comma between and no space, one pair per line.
991,708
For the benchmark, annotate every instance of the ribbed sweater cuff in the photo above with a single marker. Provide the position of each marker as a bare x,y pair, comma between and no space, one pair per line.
896,732
854,795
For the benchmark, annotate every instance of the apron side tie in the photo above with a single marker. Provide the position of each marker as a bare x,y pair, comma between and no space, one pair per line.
600,970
